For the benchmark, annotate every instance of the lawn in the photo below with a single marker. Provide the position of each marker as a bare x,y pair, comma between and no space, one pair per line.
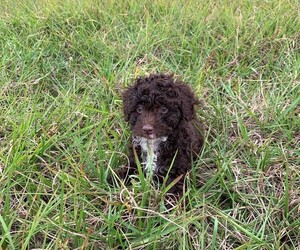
64,65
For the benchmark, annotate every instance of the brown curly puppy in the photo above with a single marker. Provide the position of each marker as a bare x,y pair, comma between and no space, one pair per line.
166,134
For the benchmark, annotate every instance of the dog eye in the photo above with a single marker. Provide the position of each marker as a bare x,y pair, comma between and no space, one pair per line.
164,110
139,109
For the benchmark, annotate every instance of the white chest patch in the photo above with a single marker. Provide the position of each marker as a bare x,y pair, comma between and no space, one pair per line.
150,152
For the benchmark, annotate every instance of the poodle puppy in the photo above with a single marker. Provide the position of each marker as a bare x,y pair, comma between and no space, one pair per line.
166,135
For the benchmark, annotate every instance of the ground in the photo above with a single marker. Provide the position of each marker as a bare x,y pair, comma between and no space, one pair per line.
63,68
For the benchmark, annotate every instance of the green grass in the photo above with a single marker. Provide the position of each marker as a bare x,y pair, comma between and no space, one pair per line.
63,67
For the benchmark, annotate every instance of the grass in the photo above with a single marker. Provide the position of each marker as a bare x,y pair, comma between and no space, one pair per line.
63,68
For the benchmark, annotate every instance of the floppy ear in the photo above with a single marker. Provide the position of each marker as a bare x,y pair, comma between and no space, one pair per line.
129,102
188,101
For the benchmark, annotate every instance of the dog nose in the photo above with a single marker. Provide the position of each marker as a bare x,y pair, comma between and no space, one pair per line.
148,129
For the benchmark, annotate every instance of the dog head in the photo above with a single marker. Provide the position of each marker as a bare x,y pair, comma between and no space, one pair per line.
155,105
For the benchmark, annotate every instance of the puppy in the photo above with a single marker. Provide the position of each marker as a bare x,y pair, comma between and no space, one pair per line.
166,134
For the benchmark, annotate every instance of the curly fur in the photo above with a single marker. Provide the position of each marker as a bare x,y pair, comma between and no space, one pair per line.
166,133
